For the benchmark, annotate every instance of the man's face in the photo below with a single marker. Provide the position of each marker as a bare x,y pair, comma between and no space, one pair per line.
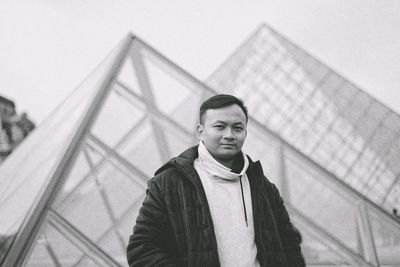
223,132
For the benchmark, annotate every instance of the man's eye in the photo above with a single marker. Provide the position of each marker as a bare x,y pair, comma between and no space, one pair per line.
219,127
238,129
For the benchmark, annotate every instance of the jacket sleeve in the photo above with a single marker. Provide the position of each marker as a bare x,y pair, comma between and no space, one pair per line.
289,235
148,244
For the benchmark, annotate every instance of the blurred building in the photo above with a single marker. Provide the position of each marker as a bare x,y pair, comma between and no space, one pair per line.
14,127
70,194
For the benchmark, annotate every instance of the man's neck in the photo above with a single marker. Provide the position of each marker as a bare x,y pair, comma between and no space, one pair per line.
235,164
226,163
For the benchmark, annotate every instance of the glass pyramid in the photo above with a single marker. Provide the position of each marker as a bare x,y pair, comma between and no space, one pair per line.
70,193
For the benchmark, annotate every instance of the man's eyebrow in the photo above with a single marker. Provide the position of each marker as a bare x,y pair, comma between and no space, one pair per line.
219,121
224,122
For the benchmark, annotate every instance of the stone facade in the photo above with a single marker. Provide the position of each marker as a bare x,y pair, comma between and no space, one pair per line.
13,127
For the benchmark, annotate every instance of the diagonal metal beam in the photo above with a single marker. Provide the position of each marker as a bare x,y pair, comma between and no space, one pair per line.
89,248
105,198
147,91
50,250
119,158
152,110
284,181
173,69
366,237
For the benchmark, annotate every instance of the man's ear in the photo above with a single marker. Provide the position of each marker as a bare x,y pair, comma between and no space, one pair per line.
200,131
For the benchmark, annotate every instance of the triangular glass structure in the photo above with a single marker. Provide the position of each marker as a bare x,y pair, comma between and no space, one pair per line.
90,160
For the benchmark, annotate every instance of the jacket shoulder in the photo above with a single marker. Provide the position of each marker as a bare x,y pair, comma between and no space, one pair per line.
167,177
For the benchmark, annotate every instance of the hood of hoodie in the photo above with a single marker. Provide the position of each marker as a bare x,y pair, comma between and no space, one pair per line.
218,171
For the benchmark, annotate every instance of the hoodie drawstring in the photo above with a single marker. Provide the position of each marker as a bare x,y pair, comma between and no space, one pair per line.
244,203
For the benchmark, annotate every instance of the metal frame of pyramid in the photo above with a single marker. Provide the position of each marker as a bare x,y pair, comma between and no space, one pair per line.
79,179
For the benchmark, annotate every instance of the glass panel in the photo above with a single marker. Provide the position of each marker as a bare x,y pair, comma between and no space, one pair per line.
40,256
85,209
317,252
335,211
187,113
260,146
116,118
144,141
53,247
119,187
94,154
18,202
386,235
128,77
79,171
168,92
178,141
109,242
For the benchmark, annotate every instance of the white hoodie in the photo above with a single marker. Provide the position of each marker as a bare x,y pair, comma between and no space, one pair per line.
235,239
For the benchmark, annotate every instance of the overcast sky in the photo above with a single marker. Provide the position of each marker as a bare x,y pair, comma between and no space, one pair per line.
48,47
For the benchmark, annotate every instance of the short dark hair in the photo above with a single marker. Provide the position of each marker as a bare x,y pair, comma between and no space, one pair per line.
221,101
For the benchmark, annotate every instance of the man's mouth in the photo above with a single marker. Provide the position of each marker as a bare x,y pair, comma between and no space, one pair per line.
231,145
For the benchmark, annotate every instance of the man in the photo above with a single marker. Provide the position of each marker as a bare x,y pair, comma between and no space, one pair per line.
212,205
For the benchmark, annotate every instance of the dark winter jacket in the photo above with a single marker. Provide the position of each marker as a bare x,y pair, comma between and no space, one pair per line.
174,226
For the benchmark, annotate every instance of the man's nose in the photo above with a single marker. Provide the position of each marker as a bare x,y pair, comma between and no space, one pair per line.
228,133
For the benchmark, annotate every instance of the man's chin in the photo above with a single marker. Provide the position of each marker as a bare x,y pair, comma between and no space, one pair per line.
228,154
